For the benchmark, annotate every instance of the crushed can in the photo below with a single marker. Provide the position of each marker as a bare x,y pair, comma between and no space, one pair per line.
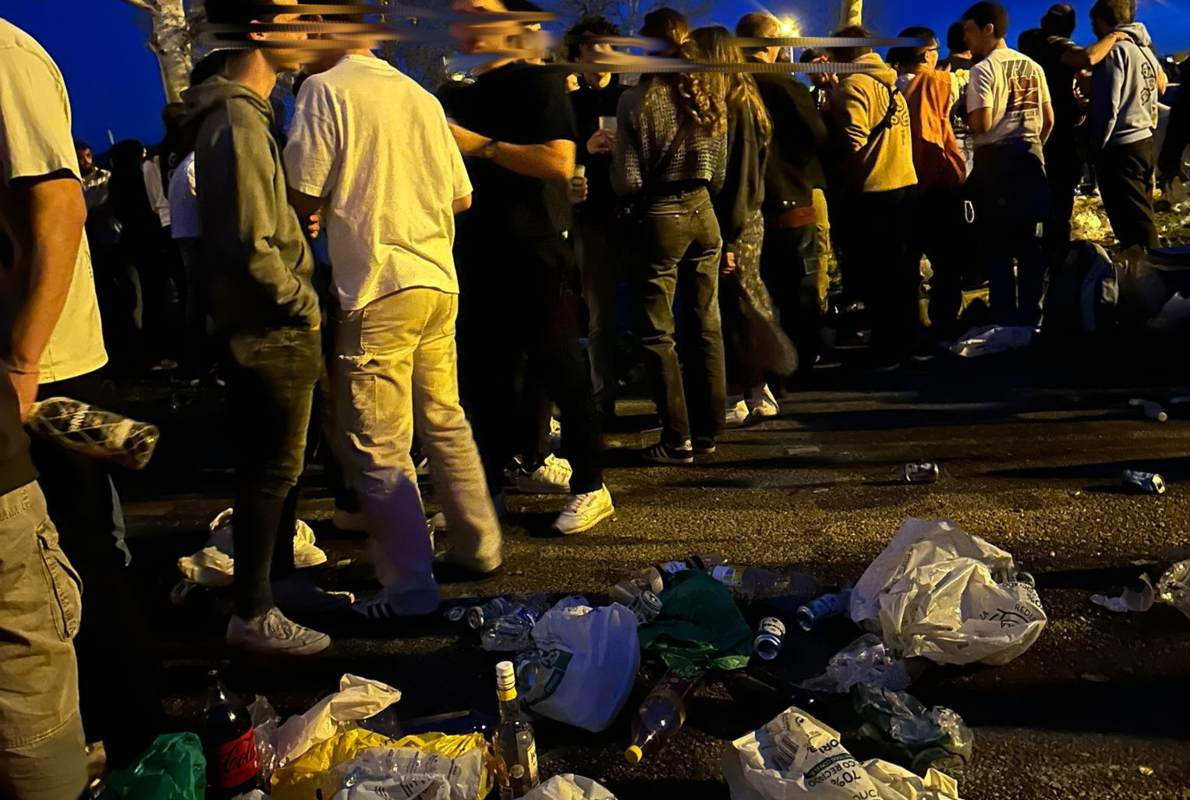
921,472
1143,482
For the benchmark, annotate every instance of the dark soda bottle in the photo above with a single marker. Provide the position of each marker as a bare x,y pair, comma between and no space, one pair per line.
228,743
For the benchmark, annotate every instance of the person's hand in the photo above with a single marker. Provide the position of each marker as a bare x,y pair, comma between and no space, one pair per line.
25,386
313,226
601,142
728,267
577,189
469,142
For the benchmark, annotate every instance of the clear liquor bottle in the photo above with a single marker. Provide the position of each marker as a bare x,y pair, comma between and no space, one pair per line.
514,742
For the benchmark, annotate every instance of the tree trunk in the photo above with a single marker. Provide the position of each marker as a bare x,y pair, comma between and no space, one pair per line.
851,13
170,42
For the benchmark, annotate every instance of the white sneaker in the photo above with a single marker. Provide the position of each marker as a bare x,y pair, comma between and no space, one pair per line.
585,511
272,633
552,477
764,404
737,413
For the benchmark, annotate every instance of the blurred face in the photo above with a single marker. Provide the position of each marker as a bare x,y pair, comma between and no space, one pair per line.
594,53
86,160
931,56
980,41
484,37
822,79
284,59
1100,27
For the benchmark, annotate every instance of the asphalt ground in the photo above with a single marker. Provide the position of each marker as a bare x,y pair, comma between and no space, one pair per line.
1030,446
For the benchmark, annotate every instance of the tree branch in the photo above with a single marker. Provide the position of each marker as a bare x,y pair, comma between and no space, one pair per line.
143,5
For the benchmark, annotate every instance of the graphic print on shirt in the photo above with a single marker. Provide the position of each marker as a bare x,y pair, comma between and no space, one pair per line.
1024,93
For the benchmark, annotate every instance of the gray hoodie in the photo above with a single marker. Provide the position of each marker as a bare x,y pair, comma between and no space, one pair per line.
258,260
1124,91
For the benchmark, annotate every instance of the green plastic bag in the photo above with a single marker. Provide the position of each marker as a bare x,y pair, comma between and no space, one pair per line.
172,768
699,628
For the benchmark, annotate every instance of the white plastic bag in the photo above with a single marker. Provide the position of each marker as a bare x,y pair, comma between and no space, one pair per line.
214,564
583,666
358,698
569,787
992,339
796,757
932,594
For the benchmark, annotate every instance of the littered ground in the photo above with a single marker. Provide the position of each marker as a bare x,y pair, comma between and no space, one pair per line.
1030,447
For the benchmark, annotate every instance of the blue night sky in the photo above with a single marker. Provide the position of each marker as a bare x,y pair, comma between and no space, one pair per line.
114,82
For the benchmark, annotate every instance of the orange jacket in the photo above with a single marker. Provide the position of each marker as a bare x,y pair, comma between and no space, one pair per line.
937,156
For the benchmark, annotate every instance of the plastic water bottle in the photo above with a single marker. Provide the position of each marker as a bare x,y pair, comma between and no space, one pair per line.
754,583
495,608
660,716
514,630
824,607
770,638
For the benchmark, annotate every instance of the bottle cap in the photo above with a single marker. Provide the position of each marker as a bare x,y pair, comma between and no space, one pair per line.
634,754
506,680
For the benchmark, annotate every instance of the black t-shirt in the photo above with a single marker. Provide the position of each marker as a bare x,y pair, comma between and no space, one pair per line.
1061,83
518,104
15,467
589,105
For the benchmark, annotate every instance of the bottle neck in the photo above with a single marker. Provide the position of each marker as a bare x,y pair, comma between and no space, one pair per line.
510,707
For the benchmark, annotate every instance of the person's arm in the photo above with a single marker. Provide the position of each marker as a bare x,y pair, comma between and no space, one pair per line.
56,214
460,180
461,204
979,100
852,111
553,160
1078,58
1047,121
627,175
1107,94
155,191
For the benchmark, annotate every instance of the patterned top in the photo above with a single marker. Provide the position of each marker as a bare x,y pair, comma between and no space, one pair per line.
656,147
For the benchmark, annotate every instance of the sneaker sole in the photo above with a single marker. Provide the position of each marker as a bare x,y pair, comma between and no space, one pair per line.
526,488
656,459
312,648
610,513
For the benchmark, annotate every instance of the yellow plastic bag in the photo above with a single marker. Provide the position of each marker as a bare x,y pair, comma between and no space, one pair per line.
314,770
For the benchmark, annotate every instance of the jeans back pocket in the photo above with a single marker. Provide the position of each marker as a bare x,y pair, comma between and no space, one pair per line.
62,581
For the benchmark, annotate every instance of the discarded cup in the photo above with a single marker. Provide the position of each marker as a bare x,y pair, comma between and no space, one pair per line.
1143,482
824,607
770,638
921,472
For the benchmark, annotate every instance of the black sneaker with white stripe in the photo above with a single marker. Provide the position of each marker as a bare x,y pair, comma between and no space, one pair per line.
664,454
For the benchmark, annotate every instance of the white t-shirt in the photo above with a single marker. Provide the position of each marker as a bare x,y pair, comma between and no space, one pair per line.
183,201
35,140
1014,87
377,145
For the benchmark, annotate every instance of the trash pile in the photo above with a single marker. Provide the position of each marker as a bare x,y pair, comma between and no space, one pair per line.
935,596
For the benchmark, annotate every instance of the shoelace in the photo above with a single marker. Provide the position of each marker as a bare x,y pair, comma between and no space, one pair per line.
278,626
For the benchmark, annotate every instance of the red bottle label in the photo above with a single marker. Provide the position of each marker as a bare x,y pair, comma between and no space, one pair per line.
235,761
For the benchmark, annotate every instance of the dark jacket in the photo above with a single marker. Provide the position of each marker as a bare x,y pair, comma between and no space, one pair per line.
743,190
799,135
259,262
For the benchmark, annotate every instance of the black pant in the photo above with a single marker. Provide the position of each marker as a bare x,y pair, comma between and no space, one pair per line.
878,231
1177,138
272,375
1011,197
788,268
679,246
1126,184
517,316
1064,169
119,667
941,234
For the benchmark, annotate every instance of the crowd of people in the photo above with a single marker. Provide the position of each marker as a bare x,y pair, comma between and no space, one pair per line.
429,267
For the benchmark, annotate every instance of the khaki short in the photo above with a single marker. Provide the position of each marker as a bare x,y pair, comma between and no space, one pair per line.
41,736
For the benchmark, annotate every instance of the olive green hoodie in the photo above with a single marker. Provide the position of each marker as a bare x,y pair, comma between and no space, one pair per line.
878,150
258,262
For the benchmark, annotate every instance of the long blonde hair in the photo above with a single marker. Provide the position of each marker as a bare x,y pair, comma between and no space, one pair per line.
712,45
